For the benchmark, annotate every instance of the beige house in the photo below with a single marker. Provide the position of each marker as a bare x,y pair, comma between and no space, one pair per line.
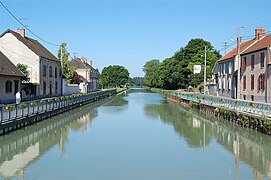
10,80
44,67
256,70
90,76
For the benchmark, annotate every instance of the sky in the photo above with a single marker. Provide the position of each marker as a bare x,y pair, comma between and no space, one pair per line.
130,33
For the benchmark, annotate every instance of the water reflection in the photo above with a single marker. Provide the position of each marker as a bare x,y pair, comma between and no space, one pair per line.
185,125
247,146
22,148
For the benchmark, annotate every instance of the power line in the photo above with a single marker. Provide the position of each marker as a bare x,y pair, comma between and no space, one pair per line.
18,20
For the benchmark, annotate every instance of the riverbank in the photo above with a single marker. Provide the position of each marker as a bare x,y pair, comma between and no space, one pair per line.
247,114
16,116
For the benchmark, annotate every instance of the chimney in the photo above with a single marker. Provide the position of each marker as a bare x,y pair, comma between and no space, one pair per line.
83,59
259,33
21,31
90,63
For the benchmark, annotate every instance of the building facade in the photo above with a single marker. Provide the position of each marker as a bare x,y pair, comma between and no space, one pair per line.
229,70
10,80
90,76
256,71
44,67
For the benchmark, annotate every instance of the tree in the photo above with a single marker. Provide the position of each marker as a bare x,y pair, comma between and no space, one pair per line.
67,70
114,76
150,69
177,71
23,68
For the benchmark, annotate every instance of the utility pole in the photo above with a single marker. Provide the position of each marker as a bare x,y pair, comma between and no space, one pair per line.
225,48
205,70
239,63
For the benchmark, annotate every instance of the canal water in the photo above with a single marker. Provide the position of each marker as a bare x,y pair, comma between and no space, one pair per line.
135,135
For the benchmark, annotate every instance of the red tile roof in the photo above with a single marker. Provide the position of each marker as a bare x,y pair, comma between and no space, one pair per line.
261,44
234,52
33,45
8,68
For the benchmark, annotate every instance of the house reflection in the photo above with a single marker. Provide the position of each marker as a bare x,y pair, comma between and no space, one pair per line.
246,146
22,148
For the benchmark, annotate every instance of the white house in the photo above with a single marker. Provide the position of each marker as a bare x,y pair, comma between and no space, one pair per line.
44,67
89,75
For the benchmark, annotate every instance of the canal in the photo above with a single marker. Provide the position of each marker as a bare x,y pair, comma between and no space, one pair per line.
135,135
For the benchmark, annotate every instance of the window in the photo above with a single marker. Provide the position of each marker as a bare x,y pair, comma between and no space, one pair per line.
50,71
230,67
252,62
244,83
252,81
224,83
44,87
56,88
244,96
244,63
229,87
16,86
55,72
8,87
261,82
44,70
252,98
262,59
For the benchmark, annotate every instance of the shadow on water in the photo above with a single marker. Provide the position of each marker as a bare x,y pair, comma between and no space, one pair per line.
198,130
23,147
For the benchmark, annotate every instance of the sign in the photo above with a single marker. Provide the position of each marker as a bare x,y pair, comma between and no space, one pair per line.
197,69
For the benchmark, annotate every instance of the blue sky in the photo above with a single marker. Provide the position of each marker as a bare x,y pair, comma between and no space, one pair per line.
129,33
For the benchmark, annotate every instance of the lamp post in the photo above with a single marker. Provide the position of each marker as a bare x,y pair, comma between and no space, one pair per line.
205,70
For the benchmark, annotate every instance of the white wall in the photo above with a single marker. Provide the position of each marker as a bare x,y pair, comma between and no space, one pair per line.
17,52
68,89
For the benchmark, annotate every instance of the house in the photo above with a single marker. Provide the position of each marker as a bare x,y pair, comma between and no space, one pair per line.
226,70
10,80
44,67
89,75
256,70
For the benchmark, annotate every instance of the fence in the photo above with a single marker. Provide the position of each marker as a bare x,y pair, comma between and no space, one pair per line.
16,112
257,108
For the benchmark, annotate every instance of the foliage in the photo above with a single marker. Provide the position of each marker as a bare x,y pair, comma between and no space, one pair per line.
137,81
23,68
9,108
151,73
67,70
114,76
22,105
177,71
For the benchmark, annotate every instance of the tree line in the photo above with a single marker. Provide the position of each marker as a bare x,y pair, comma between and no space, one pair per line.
176,72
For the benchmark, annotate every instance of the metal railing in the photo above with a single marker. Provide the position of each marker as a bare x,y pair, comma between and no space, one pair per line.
257,108
12,112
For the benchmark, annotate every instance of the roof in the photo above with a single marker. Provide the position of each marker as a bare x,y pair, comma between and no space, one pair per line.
261,44
78,64
82,78
234,52
33,45
8,68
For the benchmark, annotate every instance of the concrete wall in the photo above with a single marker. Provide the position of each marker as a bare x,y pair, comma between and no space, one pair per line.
17,52
259,95
68,89
8,97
